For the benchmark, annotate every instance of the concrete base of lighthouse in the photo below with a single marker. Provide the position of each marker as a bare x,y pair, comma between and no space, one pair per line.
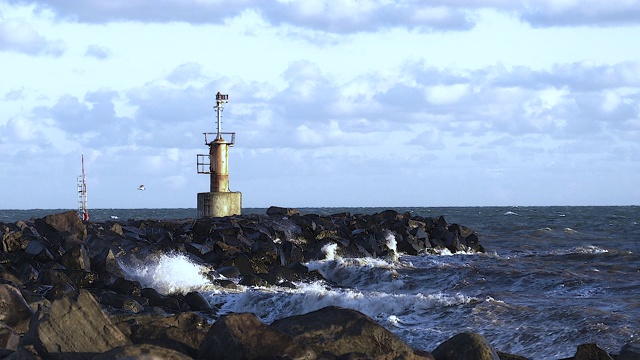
219,204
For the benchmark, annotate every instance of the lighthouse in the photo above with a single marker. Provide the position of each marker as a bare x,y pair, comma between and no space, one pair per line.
219,201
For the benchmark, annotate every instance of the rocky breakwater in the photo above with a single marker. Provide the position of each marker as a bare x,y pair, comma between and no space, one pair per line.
65,294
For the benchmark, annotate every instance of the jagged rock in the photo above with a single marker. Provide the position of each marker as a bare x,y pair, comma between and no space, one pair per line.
76,258
24,353
118,301
590,352
465,346
244,336
343,331
229,272
38,251
507,356
12,241
182,332
9,339
105,262
630,351
75,328
280,211
142,352
68,225
169,303
14,309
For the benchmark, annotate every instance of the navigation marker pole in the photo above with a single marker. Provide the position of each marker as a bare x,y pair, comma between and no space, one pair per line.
82,194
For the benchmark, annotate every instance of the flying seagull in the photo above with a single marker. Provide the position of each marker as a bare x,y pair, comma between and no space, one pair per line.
141,187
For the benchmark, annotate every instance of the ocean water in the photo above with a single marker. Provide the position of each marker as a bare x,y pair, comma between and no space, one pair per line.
552,278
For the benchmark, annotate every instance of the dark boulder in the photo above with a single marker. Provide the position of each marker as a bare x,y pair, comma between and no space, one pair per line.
342,331
75,327
196,301
76,258
181,332
69,226
169,303
14,310
229,272
114,300
9,339
280,211
590,352
630,351
105,262
244,336
466,346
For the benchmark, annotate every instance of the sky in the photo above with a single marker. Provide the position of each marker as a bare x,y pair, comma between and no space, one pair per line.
350,103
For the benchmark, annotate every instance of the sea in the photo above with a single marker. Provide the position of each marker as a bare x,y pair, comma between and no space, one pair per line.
552,278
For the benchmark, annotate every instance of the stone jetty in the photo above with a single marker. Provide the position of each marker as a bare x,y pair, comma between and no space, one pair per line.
65,295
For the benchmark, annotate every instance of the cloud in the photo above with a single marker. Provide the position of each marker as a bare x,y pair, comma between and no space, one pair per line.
320,15
185,72
103,11
98,52
365,16
349,16
545,13
18,35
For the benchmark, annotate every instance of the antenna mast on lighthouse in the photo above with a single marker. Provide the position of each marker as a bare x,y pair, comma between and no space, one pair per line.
221,99
82,194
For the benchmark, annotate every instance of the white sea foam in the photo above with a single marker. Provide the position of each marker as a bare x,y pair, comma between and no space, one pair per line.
329,251
392,245
170,273
272,305
590,249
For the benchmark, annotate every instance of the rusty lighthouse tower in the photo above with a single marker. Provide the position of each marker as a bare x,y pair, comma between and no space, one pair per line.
219,201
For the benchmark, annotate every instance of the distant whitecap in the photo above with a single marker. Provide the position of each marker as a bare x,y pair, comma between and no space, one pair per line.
510,213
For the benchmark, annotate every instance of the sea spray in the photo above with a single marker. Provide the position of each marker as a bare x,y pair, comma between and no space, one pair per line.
392,245
169,273
329,251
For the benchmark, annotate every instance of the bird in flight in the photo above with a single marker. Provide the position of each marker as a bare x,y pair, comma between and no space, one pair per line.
141,187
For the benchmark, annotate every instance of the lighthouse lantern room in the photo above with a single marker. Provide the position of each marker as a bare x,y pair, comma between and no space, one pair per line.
219,201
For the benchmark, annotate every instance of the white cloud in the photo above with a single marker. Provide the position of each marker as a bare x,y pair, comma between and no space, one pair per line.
19,36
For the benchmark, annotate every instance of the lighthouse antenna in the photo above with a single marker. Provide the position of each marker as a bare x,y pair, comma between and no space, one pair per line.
221,99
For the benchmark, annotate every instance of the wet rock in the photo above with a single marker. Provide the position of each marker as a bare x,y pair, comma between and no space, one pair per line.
122,302
507,356
74,328
465,346
342,331
196,301
244,336
229,272
168,303
630,351
590,352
